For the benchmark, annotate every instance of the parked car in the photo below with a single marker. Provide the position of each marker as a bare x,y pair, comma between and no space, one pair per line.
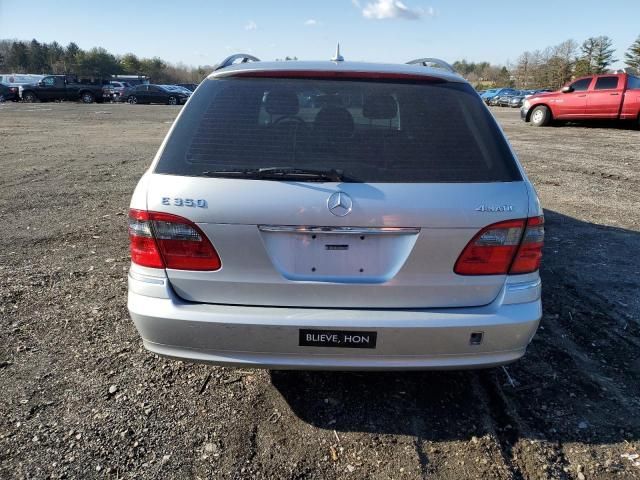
493,100
515,101
8,93
391,228
61,87
125,94
117,89
541,90
189,86
177,88
19,80
505,99
108,93
154,94
489,95
606,96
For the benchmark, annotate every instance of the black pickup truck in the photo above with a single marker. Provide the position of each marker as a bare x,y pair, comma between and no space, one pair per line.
62,87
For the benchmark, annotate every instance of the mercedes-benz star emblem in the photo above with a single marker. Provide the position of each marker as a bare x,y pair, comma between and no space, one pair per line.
340,204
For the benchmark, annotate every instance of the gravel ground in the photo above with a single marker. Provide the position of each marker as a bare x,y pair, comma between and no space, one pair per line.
82,399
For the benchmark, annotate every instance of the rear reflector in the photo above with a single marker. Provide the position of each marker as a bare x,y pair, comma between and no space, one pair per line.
513,246
162,240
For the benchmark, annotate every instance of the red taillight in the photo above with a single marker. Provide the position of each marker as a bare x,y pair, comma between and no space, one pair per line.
503,248
162,240
530,253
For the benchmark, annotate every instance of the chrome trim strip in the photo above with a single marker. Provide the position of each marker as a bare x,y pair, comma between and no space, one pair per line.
341,230
517,287
147,279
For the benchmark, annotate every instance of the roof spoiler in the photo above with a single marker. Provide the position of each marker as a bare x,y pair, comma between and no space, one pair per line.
230,60
425,62
435,62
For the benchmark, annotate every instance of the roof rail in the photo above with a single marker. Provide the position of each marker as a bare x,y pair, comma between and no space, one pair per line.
436,62
244,57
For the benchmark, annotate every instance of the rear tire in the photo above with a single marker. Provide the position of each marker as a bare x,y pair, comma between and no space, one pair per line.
541,116
173,100
29,97
2,99
132,100
87,97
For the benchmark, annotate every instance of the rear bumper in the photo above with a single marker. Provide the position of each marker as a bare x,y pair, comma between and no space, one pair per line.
267,337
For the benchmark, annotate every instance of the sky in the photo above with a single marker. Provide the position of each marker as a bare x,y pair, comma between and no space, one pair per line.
204,32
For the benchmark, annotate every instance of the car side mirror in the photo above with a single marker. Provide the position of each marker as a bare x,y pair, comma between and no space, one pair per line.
567,89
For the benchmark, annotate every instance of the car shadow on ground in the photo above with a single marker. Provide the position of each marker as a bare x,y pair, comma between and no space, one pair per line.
579,380
602,124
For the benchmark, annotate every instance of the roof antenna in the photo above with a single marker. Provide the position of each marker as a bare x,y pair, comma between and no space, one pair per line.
338,57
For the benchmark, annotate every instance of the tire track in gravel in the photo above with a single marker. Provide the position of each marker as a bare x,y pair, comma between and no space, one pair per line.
512,432
497,419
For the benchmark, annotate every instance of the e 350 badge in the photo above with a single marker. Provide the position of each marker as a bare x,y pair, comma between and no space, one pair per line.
184,202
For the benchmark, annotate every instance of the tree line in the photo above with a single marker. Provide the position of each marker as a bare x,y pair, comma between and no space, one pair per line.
553,66
52,58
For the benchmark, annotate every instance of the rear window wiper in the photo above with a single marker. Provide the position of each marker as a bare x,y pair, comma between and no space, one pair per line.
332,174
278,173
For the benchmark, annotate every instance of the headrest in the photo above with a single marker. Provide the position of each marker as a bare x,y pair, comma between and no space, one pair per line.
329,100
377,107
334,122
282,102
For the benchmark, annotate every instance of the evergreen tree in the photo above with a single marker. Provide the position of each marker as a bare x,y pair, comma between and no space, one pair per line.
130,64
37,58
18,58
603,55
597,54
69,57
154,68
97,62
582,68
55,54
632,57
588,49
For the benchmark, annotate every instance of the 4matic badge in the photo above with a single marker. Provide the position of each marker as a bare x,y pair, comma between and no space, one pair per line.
495,208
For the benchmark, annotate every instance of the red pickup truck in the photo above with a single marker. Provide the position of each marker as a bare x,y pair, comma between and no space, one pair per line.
607,96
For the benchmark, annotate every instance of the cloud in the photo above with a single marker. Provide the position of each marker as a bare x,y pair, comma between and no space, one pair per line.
385,9
251,25
312,22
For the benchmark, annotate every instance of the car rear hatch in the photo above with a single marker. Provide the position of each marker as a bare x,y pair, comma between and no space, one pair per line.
337,192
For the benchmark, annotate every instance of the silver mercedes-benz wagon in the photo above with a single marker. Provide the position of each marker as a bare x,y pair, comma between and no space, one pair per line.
336,215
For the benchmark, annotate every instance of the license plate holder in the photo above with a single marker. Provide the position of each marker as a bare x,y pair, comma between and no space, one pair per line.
337,338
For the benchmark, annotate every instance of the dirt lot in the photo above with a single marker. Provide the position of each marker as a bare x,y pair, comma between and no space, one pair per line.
80,398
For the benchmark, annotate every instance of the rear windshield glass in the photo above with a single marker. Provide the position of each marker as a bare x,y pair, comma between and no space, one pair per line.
370,131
